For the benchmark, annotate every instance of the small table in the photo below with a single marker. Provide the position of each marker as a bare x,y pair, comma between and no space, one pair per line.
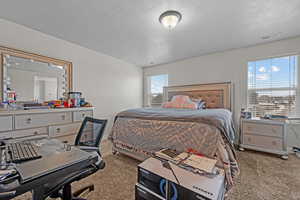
264,135
156,182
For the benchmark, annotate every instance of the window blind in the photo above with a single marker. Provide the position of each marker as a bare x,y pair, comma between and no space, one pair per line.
273,86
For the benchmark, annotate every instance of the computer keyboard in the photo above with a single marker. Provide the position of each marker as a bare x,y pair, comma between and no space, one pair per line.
22,151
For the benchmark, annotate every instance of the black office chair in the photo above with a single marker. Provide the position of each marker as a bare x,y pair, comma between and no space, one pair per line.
90,134
87,139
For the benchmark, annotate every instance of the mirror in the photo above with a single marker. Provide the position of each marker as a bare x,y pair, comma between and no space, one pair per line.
34,78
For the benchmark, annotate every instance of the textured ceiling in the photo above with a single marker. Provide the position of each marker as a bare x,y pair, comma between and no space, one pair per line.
129,29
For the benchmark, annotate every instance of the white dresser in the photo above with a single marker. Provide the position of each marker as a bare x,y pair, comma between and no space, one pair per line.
264,135
57,123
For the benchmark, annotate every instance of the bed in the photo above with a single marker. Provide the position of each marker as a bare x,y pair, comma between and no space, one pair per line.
140,132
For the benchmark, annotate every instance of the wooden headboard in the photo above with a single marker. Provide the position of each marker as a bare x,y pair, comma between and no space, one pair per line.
216,95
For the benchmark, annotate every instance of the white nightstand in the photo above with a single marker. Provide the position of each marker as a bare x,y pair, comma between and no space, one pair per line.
264,135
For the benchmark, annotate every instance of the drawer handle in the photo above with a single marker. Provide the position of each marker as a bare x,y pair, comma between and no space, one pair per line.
35,132
28,121
274,143
249,139
58,130
63,117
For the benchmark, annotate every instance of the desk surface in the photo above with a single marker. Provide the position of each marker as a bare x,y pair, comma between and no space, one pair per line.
58,162
55,156
40,111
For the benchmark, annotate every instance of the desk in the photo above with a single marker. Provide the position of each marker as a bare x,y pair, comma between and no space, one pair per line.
43,184
60,123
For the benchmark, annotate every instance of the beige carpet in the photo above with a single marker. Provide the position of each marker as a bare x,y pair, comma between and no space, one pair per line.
263,177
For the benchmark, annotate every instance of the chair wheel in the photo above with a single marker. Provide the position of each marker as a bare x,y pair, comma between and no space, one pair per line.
284,157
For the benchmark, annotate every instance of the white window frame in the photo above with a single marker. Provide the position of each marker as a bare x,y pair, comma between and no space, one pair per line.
297,89
149,94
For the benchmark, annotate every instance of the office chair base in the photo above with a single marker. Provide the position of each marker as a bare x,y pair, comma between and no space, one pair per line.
66,193
88,189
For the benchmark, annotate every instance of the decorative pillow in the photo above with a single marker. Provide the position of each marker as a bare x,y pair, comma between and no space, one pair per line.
180,101
200,104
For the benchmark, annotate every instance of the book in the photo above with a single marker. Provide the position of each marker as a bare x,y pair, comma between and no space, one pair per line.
167,154
188,159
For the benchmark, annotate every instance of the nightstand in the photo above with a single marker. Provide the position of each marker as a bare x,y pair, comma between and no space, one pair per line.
264,135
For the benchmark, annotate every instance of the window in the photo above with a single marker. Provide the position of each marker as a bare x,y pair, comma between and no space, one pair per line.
273,85
156,85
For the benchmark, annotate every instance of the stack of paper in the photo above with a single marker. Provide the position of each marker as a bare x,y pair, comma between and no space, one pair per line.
198,162
195,161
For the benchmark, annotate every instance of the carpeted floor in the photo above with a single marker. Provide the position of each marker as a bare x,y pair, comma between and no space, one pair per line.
263,177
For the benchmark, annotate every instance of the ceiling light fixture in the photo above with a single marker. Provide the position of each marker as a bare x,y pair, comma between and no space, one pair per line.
170,19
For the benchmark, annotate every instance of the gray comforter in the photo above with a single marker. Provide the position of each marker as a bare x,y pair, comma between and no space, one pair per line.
220,118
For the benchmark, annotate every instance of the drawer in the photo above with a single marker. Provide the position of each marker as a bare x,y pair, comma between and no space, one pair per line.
80,115
67,129
265,142
6,123
29,132
45,119
144,194
69,139
5,135
263,129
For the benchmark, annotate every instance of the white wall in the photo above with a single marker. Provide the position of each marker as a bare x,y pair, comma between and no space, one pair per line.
230,65
110,84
